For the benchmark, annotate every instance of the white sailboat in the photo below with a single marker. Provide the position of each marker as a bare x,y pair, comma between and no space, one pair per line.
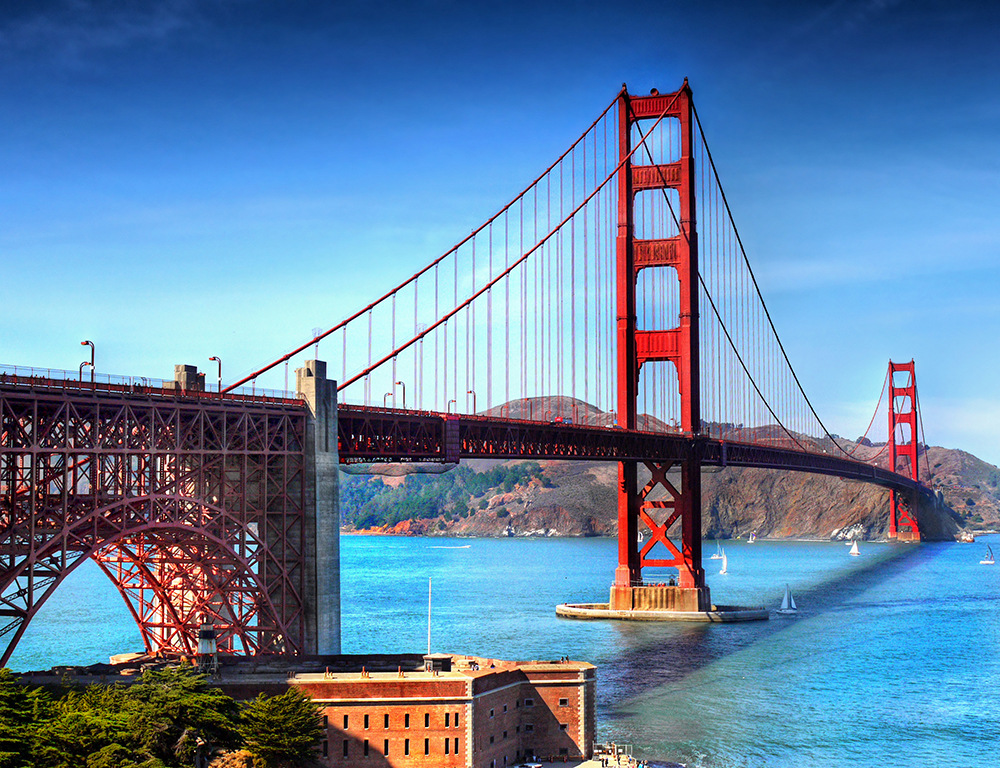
753,537
718,551
725,563
854,549
788,602
989,557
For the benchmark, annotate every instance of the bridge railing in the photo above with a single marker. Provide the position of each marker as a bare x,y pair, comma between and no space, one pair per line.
54,378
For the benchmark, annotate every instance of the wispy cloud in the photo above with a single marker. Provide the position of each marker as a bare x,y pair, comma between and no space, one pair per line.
971,425
69,32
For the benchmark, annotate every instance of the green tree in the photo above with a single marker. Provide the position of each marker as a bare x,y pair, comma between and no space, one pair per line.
89,727
281,731
21,711
177,715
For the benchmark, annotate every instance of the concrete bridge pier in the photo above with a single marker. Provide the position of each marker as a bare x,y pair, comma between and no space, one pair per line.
322,504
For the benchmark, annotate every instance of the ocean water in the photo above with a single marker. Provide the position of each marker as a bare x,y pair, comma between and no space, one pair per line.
892,659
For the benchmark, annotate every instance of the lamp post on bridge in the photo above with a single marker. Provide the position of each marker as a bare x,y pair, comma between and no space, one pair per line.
91,363
448,407
473,393
403,385
219,361
385,399
84,363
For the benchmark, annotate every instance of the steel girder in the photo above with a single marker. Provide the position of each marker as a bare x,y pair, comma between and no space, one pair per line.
192,506
421,436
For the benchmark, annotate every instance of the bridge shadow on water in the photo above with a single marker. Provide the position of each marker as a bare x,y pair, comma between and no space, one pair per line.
666,654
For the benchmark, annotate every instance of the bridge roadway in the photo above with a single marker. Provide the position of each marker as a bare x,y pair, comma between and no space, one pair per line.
372,434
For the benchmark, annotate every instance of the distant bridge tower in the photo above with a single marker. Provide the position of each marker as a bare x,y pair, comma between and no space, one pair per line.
677,345
903,445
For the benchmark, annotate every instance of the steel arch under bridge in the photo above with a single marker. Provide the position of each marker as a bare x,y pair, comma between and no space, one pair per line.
194,505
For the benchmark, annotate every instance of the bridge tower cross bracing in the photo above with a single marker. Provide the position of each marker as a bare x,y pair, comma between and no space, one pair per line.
677,345
903,444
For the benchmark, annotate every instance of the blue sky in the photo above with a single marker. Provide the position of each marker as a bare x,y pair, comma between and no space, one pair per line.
182,179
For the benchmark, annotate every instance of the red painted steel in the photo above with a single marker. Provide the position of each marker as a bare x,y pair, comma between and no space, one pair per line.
903,444
371,434
192,505
679,345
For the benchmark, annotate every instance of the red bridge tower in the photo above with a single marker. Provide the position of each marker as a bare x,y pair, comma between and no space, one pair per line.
677,345
903,445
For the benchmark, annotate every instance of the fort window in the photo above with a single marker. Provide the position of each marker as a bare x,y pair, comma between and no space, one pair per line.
456,719
427,720
529,702
427,746
563,750
447,719
491,713
366,722
406,720
386,718
563,702
345,748
456,745
491,739
504,707
365,752
406,746
562,726
446,745
325,720
385,747
528,728
325,748
345,722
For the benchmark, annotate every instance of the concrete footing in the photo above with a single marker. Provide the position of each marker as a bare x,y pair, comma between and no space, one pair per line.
660,597
715,613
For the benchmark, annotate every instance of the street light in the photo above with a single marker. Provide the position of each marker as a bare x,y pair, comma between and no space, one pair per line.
91,345
401,384
385,399
473,393
448,409
81,368
219,361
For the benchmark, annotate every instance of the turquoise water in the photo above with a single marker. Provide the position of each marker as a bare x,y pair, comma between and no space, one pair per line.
891,661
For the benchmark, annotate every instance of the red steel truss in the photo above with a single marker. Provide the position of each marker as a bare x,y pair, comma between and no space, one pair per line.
903,445
192,505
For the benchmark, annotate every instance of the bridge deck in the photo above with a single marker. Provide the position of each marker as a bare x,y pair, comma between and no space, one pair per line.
371,434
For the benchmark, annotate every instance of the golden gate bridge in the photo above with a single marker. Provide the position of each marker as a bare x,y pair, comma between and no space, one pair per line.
608,312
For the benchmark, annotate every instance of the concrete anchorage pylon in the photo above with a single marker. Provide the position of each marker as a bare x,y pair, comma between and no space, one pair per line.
322,492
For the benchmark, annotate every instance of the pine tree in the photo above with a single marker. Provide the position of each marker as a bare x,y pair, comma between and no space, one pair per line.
281,731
